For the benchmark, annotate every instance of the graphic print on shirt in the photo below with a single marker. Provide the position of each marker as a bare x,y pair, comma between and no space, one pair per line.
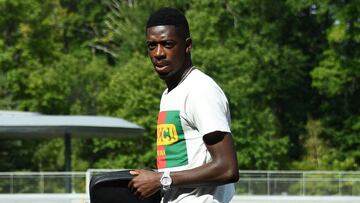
171,145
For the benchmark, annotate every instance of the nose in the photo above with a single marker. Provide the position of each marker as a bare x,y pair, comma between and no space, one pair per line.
159,52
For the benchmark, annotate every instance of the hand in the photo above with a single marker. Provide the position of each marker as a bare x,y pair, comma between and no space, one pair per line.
144,183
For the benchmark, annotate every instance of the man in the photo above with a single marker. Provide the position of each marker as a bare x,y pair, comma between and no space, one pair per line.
196,158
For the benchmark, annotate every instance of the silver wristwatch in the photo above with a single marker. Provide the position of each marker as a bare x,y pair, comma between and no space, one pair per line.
166,180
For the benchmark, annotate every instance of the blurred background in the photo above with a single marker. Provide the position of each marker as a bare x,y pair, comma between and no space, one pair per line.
290,69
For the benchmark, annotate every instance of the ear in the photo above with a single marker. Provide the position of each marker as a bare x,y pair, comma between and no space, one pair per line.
188,44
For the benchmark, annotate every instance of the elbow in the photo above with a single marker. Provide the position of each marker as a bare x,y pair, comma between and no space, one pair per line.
232,175
235,177
229,174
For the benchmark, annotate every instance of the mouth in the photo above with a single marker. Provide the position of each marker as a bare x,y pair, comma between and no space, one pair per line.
161,68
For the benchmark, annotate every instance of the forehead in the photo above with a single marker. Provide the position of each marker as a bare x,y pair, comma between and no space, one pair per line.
161,32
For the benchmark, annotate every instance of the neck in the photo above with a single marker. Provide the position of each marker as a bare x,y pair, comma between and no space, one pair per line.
172,83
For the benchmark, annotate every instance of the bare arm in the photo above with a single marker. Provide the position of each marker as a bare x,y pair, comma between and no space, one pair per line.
221,169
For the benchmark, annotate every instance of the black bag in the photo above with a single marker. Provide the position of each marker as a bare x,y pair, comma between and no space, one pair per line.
112,187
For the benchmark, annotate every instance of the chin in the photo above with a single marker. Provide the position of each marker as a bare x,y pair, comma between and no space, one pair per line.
164,76
168,76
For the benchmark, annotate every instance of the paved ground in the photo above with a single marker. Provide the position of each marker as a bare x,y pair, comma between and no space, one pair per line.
295,199
83,198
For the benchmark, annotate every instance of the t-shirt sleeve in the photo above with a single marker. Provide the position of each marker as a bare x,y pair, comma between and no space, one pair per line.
208,110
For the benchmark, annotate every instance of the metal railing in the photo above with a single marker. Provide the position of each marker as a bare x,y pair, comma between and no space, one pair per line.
42,182
298,183
304,183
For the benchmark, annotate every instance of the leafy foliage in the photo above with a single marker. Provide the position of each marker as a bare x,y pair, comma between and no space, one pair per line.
290,70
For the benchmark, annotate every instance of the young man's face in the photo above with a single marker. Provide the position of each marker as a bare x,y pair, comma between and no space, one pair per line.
167,51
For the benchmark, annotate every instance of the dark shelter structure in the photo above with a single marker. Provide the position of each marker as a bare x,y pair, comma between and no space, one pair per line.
28,125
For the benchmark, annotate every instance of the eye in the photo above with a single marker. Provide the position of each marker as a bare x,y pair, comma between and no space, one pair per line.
151,45
169,44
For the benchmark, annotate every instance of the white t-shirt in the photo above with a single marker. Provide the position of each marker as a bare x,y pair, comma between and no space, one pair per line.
196,107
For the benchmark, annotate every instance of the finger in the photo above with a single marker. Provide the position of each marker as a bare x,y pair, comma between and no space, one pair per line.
137,193
130,185
135,172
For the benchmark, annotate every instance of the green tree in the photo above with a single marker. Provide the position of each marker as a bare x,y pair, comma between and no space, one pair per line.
40,71
337,78
289,69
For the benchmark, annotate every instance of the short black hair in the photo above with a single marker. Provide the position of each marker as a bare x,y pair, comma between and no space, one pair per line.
169,16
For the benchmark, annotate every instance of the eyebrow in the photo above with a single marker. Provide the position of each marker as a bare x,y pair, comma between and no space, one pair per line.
160,41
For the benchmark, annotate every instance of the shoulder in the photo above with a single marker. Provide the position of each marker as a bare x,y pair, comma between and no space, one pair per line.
202,78
202,84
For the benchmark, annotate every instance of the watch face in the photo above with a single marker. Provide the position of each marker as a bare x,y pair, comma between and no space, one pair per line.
166,181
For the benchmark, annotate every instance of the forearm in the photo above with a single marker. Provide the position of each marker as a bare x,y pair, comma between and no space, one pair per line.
208,174
220,170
